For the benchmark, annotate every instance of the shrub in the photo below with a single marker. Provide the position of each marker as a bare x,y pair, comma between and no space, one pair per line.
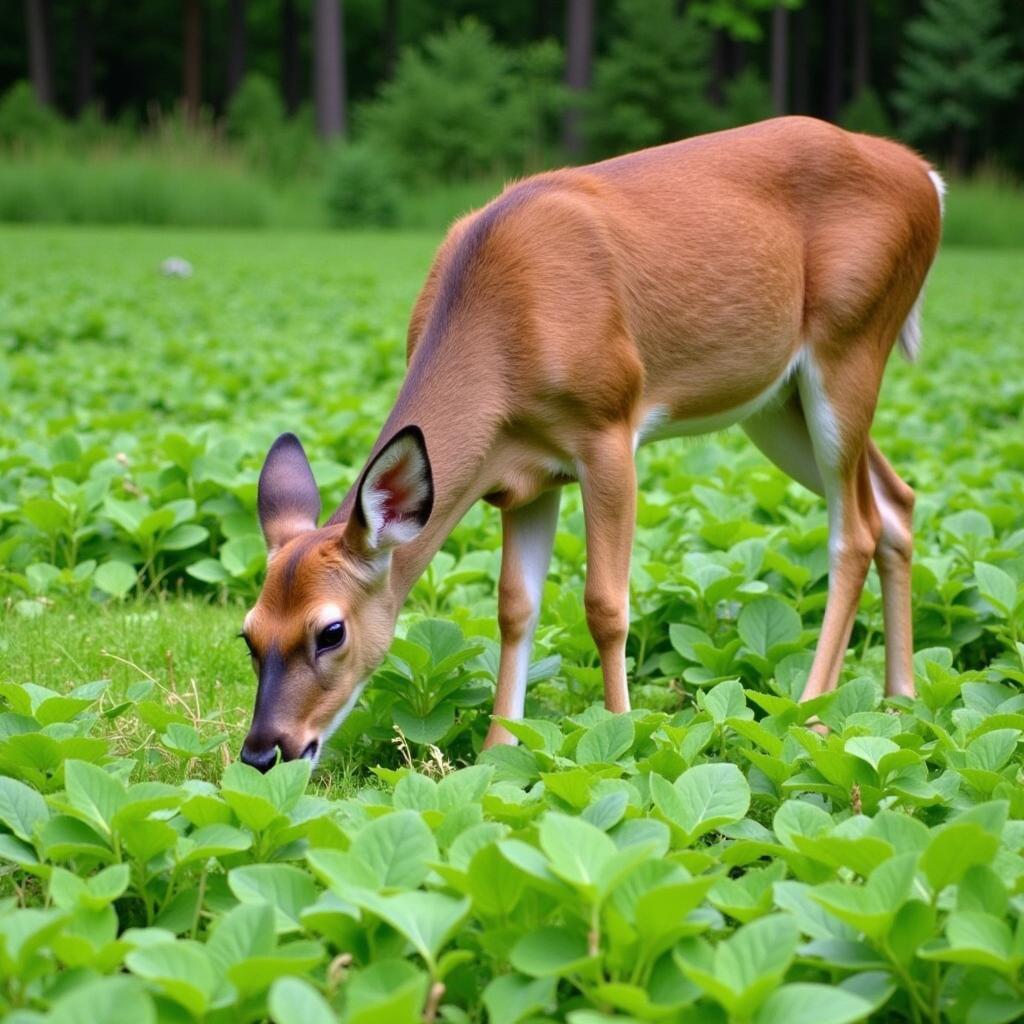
24,121
463,105
255,110
650,88
362,190
865,113
747,99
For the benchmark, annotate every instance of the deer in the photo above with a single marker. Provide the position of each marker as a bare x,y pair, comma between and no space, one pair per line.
759,276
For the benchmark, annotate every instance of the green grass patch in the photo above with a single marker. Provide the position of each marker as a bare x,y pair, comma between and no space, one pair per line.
985,212
705,858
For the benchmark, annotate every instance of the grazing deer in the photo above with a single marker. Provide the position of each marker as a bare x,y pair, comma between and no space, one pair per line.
758,276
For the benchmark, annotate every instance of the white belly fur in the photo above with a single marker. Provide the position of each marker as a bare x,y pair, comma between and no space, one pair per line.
656,426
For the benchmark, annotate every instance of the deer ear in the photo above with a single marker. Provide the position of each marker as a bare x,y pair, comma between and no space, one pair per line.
287,497
395,495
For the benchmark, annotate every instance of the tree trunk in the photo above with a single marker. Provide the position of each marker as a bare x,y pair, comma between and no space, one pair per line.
237,44
834,60
328,68
579,37
38,17
193,58
780,59
291,87
861,47
391,14
719,68
800,90
85,56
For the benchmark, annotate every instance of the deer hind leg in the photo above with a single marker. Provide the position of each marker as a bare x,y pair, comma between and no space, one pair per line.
528,534
607,477
895,501
838,416
782,434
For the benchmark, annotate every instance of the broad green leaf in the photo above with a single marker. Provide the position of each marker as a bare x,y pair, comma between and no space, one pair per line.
286,888
94,793
115,578
397,848
550,952
294,1001
113,1000
606,742
703,798
808,1003
511,998
182,970
576,850
386,992
766,623
21,808
426,919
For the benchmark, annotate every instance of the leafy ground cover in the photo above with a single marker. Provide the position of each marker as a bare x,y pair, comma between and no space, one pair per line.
705,859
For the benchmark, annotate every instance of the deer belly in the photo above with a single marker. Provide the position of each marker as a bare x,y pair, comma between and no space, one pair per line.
660,421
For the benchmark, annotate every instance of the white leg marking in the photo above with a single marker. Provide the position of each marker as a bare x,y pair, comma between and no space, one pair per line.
533,536
823,426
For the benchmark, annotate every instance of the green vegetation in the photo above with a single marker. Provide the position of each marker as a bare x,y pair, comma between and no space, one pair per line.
707,858
472,102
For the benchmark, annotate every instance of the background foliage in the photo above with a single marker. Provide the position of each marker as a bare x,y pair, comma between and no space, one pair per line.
438,96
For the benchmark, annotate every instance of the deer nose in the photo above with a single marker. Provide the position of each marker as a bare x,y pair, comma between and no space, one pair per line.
259,753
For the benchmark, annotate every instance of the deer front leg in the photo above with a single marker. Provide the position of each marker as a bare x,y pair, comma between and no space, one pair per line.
527,537
608,485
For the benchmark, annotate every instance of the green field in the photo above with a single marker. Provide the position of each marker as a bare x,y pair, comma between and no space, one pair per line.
705,859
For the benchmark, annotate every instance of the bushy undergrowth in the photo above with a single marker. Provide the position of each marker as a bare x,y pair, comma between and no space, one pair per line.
706,859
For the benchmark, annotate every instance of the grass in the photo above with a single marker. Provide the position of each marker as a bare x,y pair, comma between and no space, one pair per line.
187,186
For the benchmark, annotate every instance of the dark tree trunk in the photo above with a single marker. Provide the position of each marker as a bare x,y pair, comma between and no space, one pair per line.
391,14
579,37
780,59
38,17
861,46
237,44
192,64
800,76
291,81
719,68
85,56
834,60
328,68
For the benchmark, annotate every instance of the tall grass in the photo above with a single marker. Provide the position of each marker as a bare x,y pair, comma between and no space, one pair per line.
191,186
130,189
987,212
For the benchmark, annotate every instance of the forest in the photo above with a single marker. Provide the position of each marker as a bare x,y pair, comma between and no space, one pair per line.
385,112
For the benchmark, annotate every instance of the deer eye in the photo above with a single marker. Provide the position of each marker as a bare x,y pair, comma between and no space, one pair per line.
330,636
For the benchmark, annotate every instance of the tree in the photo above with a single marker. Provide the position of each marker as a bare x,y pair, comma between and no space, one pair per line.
579,46
461,105
780,59
192,64
237,44
861,46
289,58
38,16
85,56
328,68
391,26
834,50
956,68
650,87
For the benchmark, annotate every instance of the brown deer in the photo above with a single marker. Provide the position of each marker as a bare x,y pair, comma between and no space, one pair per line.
758,276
